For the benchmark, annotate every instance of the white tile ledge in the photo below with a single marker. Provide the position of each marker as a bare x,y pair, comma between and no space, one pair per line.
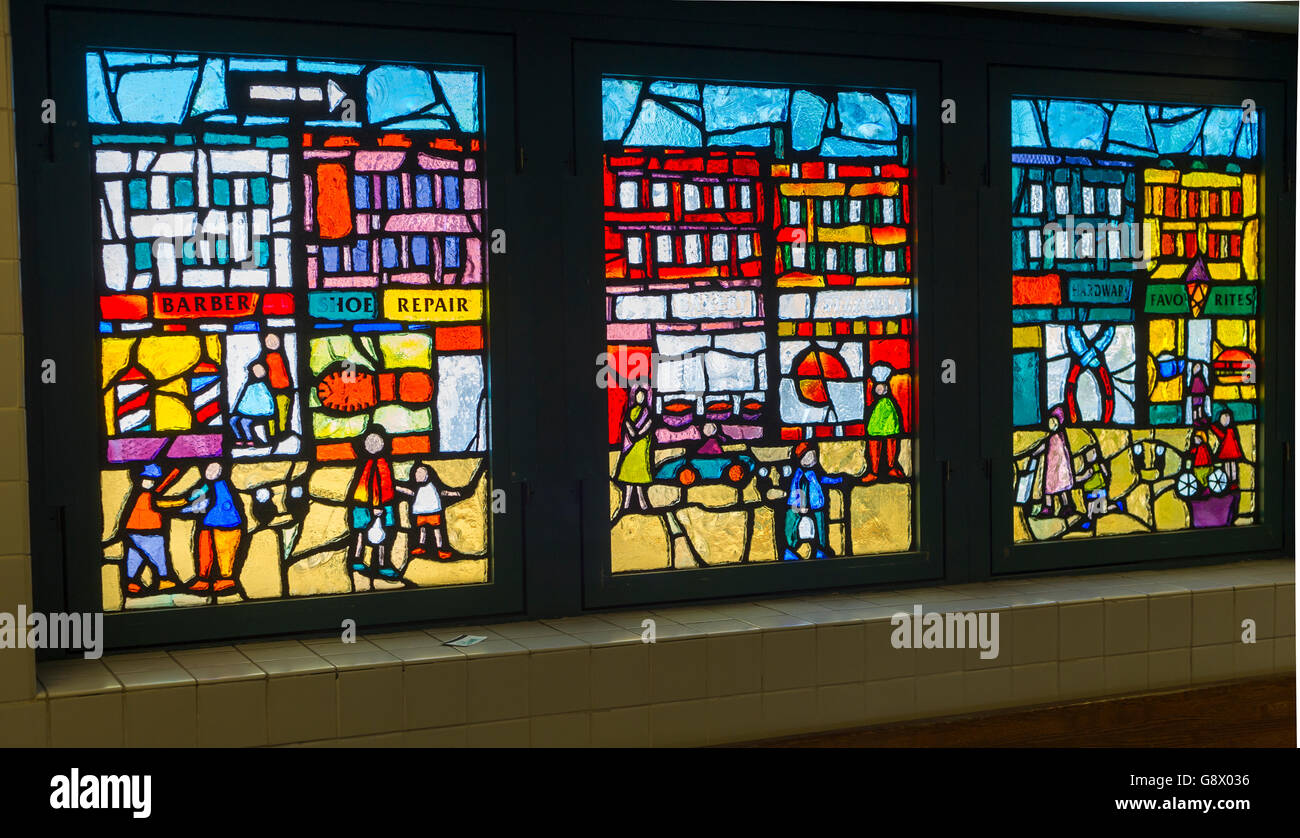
286,658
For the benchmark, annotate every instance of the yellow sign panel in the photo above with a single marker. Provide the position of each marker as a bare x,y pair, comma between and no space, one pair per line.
443,305
816,188
1197,180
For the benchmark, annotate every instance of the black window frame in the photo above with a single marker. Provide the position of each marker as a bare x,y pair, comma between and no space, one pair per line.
1260,538
57,292
545,319
594,59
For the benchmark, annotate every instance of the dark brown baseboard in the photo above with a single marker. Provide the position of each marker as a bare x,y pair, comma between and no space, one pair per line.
1258,713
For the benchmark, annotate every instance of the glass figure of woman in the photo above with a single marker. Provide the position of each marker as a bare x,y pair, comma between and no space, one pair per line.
634,466
1198,394
1058,465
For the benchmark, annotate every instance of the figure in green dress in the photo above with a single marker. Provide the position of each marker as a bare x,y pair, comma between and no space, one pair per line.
884,426
634,466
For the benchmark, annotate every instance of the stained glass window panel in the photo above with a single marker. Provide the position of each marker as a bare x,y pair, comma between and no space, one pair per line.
1136,249
292,299
759,285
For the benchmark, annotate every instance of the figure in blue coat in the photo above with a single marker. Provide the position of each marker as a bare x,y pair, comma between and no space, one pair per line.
806,499
254,410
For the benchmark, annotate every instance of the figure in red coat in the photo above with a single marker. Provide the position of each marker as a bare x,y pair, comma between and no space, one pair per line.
1229,444
1199,453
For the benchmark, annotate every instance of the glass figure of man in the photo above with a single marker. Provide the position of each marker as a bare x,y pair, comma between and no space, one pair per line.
805,515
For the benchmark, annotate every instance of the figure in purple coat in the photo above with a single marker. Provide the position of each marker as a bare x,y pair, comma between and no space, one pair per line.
1198,396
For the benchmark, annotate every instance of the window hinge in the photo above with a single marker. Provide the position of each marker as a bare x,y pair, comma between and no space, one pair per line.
520,162
61,523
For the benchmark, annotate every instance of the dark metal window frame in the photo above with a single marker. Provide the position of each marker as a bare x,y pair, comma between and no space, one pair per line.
603,588
56,280
552,545
1272,457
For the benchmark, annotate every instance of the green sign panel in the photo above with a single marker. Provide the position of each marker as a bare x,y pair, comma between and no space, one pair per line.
1238,298
1167,299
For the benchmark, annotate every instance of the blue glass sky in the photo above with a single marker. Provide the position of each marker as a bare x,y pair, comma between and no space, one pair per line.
686,114
1131,129
142,88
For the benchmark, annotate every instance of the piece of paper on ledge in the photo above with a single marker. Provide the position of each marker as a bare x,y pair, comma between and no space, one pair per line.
465,640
